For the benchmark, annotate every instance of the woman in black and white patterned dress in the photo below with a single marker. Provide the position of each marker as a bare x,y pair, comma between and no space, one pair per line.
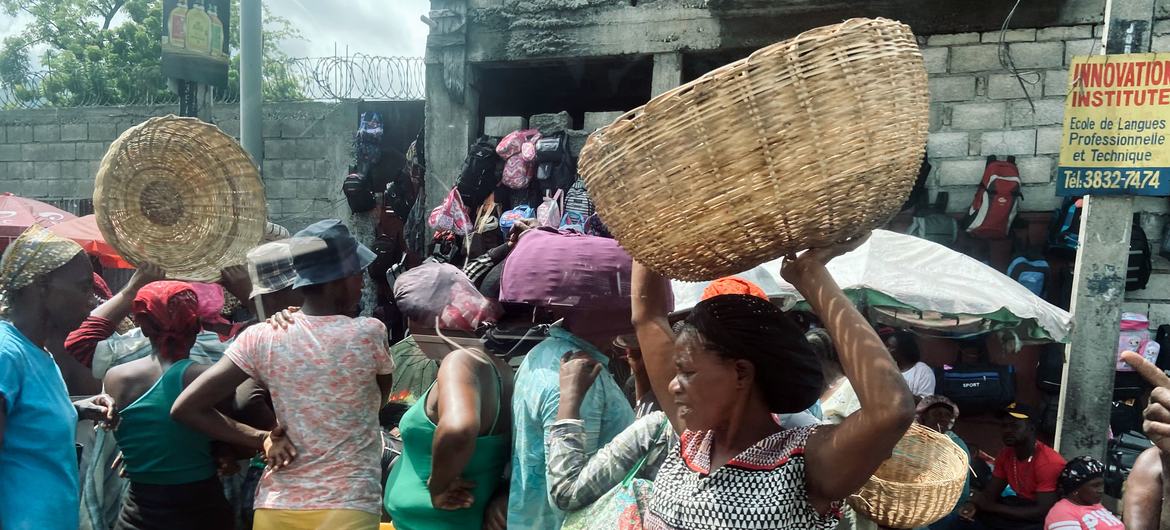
737,360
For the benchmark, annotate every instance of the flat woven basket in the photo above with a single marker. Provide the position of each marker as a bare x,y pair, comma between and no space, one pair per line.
918,485
805,143
182,194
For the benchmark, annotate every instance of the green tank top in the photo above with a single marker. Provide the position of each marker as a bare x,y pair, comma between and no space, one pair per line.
407,499
157,449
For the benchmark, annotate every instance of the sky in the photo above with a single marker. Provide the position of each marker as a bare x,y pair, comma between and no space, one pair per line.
373,27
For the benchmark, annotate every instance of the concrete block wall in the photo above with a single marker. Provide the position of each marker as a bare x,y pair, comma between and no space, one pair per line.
980,108
54,154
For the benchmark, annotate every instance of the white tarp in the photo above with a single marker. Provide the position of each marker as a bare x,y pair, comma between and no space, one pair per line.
918,273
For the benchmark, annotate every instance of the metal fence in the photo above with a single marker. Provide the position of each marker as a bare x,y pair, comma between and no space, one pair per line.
366,77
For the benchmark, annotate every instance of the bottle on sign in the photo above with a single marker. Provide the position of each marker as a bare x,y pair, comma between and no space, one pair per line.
198,29
177,25
216,31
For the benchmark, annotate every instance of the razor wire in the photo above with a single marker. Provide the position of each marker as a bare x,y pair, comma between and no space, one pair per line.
357,77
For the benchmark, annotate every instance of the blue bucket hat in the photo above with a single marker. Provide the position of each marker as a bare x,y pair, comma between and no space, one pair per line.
326,252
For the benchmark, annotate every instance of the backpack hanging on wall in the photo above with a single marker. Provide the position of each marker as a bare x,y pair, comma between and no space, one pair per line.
1065,230
358,192
577,199
997,200
480,174
932,222
1140,266
556,169
367,141
1031,273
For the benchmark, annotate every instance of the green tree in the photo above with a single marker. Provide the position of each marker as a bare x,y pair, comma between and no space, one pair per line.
108,52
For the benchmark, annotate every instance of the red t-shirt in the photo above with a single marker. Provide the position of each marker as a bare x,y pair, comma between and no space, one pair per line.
1027,478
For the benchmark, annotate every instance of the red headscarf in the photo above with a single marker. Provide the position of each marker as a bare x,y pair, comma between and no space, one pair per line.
101,288
168,313
733,285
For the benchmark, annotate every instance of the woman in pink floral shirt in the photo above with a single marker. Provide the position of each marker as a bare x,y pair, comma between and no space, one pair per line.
328,375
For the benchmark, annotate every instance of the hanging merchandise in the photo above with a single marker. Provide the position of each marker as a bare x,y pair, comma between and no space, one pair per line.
549,212
594,226
1064,232
573,221
556,169
577,200
510,217
1135,337
1140,266
358,192
486,235
518,149
997,200
932,223
480,174
367,141
451,215
1031,273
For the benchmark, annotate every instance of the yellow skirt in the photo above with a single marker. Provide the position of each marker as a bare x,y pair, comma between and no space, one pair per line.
314,520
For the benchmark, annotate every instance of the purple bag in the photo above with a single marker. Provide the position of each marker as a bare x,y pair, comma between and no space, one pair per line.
549,268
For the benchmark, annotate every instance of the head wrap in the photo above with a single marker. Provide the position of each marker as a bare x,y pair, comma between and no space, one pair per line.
168,313
100,288
439,290
741,326
733,285
1079,471
32,256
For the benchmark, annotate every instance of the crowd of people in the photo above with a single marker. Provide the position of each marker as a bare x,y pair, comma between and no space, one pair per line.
489,414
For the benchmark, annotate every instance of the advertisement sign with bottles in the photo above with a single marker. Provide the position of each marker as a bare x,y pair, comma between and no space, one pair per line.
194,40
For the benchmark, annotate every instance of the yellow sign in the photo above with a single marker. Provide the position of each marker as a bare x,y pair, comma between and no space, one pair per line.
1115,126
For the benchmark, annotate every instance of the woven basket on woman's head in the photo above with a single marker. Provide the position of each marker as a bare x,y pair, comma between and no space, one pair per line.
804,143
182,194
918,485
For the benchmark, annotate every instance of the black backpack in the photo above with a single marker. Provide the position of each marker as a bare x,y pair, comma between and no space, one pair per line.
556,169
1064,230
358,193
1140,262
480,174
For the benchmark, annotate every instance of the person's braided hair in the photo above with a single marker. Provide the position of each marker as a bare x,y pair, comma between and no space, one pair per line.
736,326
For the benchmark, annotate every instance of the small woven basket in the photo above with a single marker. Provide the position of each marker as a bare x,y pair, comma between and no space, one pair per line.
918,485
180,193
805,143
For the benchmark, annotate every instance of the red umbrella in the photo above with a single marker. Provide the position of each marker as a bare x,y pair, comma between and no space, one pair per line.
84,230
19,213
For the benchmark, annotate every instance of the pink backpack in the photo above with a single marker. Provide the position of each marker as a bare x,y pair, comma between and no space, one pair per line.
518,149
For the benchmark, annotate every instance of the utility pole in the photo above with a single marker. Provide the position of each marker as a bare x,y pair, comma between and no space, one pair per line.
1086,395
251,89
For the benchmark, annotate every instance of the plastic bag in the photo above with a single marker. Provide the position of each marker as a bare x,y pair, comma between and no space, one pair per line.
549,212
451,215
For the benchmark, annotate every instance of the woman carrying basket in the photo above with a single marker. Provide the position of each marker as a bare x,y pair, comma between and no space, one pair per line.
737,360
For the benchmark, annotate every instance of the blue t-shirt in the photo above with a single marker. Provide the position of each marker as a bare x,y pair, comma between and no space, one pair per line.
604,411
38,462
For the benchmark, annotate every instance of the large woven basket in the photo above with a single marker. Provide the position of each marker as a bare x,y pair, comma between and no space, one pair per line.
805,143
918,485
182,194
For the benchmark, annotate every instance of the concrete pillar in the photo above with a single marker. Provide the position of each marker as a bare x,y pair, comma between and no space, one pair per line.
667,72
251,80
451,126
1099,278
